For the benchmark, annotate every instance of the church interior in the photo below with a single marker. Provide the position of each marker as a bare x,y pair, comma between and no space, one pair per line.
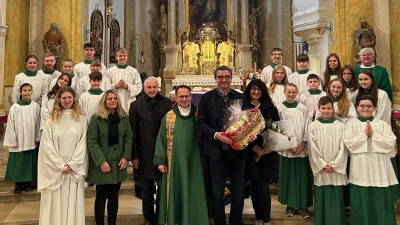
182,42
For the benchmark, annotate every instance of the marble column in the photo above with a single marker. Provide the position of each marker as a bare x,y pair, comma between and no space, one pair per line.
3,32
380,12
36,31
244,55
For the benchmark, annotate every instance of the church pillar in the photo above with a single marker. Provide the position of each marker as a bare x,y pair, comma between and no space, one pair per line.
394,21
244,56
129,27
36,20
3,30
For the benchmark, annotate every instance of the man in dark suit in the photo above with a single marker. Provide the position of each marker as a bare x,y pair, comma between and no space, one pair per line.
222,158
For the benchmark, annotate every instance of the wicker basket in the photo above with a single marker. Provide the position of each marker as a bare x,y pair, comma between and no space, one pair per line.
249,122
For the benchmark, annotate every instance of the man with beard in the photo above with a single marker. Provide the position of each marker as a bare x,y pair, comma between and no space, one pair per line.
53,41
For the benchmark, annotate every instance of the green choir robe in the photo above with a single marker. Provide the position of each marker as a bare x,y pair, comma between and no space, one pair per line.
381,77
183,196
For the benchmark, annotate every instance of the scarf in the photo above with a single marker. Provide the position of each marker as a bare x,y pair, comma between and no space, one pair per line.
113,132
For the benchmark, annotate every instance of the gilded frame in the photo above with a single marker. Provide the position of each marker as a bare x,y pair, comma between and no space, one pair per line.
221,29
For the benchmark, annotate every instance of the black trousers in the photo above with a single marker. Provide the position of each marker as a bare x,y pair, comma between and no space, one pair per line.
261,199
148,201
104,192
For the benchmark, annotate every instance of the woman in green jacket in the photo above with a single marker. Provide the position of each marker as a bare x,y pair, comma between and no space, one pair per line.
110,146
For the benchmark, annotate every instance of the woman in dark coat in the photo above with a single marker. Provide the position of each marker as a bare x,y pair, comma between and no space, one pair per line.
267,168
110,147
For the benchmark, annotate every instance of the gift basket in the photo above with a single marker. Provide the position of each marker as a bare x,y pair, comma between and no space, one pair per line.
242,124
281,136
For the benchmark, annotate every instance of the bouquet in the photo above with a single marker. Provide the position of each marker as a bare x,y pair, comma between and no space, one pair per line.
242,124
281,136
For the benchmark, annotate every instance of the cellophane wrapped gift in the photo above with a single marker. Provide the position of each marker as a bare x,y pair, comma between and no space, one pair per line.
281,136
242,124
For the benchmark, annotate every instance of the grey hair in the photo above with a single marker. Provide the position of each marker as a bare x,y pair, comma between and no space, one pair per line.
362,51
151,78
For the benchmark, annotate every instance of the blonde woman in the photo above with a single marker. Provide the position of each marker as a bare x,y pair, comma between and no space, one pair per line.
62,162
110,146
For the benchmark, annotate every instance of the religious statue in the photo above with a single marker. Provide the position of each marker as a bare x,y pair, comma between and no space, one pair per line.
162,26
227,48
53,41
255,12
365,37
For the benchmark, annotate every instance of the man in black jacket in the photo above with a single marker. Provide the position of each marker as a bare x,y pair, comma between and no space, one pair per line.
145,115
222,158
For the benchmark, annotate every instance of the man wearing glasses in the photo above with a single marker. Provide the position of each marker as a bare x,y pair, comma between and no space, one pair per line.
276,57
222,159
367,57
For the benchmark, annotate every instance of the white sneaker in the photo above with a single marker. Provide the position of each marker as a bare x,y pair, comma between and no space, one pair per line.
259,222
269,223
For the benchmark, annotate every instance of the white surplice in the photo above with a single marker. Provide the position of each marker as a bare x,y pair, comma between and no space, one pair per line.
300,80
81,69
278,96
266,75
40,86
84,85
62,195
74,81
311,101
352,114
89,103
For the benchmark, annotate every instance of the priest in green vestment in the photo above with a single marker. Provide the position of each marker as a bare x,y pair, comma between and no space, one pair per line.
367,57
177,155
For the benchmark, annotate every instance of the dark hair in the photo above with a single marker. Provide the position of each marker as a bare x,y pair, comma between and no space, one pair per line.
52,93
373,90
96,76
31,56
327,73
22,86
302,58
313,76
182,86
365,97
222,68
353,83
325,100
265,98
88,45
276,49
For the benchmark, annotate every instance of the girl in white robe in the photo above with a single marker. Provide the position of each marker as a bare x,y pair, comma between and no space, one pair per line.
277,84
328,159
63,162
68,67
22,136
125,80
295,173
38,80
370,142
332,69
349,78
89,101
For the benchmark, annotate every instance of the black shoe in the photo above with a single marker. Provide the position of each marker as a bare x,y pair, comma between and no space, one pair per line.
305,213
289,212
18,188
26,186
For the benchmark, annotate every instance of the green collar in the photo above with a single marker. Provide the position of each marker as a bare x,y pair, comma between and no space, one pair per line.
302,71
46,71
322,120
193,110
22,102
30,73
348,84
335,99
273,65
122,66
72,75
316,92
333,72
362,119
87,61
367,91
290,105
95,92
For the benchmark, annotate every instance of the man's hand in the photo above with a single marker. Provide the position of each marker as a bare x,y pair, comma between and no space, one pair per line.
162,168
223,138
105,168
123,163
135,163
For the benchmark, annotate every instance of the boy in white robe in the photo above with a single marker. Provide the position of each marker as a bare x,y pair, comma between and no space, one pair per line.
84,84
82,69
370,142
125,80
22,136
89,101
310,98
328,159
299,78
295,178
276,57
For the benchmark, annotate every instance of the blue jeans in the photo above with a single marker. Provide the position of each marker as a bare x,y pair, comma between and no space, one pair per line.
231,161
148,201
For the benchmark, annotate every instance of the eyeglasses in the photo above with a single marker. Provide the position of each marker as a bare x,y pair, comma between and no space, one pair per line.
365,55
336,87
366,106
184,96
227,77
255,89
277,54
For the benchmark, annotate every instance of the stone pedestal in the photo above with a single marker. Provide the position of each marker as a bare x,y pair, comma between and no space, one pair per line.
244,57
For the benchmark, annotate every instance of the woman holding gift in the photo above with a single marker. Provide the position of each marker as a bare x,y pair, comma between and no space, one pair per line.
266,168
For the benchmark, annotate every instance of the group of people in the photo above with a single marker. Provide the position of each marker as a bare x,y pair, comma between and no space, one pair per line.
90,126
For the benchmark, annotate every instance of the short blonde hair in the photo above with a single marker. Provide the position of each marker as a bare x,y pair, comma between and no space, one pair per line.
56,113
121,50
103,112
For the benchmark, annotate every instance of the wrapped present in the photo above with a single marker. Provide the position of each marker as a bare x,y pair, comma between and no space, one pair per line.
243,124
281,136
